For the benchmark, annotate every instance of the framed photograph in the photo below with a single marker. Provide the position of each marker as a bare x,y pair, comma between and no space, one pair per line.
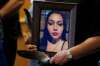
53,26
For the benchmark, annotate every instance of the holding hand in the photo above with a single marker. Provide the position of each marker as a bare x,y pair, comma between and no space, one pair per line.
31,47
61,57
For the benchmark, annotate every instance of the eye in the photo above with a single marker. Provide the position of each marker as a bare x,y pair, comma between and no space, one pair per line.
60,23
50,22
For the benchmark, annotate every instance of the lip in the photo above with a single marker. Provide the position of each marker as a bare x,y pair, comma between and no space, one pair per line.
55,33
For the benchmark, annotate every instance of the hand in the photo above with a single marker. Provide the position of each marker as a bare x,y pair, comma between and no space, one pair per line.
31,47
60,58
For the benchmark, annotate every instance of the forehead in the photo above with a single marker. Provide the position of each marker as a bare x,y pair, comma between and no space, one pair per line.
55,16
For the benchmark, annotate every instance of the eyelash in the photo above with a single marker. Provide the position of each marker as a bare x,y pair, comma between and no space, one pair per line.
50,23
60,24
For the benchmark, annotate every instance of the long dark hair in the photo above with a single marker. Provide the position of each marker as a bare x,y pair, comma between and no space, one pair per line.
47,36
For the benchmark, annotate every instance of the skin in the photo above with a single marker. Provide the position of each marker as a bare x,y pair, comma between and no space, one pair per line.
10,6
55,25
89,46
55,28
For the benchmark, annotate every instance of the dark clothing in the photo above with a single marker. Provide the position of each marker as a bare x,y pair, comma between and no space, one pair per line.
3,59
11,30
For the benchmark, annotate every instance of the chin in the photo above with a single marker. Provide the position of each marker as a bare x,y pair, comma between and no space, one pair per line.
56,38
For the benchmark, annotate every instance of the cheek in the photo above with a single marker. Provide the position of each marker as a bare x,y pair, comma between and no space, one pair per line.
50,29
61,30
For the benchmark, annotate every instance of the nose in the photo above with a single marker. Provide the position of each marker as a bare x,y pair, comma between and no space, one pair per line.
55,28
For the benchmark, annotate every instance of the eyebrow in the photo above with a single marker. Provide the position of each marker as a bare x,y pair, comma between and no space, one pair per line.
60,21
51,20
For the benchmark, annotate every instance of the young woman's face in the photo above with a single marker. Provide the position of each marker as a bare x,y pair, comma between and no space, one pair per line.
55,25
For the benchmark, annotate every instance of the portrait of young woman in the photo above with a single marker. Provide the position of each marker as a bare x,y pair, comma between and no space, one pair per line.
54,33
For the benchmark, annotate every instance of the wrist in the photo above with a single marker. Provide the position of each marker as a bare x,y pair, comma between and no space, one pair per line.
69,55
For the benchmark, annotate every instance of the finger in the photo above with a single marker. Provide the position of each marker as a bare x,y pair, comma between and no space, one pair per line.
59,58
55,58
63,62
51,60
31,46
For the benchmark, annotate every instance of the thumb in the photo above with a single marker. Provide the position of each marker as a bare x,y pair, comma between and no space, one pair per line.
52,60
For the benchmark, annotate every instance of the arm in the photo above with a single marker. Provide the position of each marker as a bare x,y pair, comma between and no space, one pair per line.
89,46
10,6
